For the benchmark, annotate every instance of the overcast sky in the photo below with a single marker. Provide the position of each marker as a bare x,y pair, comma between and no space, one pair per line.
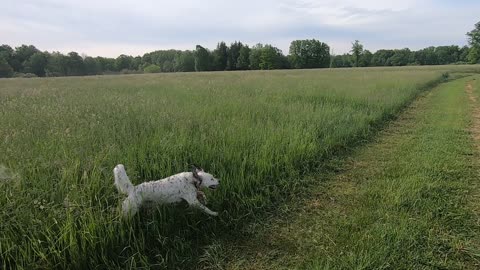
110,28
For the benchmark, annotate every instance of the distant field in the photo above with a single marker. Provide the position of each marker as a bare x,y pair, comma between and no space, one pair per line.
257,131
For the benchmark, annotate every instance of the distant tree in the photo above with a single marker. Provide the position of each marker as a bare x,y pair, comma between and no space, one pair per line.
431,57
106,64
357,50
152,69
136,63
399,58
184,62
22,54
366,58
92,66
167,66
284,61
272,58
447,54
123,62
267,57
147,59
56,65
160,57
6,71
243,60
233,55
474,41
474,55
464,51
255,54
381,57
7,53
418,57
36,64
220,56
342,61
426,56
474,35
75,66
203,59
309,53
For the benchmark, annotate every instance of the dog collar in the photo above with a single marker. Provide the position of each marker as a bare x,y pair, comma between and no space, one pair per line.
197,181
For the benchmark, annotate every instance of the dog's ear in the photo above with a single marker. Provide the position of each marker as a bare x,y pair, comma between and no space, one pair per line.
196,170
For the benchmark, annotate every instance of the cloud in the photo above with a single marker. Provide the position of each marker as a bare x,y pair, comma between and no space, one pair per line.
110,27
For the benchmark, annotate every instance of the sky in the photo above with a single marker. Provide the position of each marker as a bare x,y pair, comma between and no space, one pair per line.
110,28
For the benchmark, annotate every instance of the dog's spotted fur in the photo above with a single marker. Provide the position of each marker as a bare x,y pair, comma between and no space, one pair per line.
183,186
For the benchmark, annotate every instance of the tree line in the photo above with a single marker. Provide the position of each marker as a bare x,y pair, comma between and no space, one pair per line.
441,55
28,61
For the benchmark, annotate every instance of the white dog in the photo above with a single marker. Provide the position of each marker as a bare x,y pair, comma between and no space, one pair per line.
183,186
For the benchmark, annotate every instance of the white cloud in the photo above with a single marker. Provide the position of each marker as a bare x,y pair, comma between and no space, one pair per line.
113,27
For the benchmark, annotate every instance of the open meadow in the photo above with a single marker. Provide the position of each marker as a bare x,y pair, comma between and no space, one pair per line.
261,132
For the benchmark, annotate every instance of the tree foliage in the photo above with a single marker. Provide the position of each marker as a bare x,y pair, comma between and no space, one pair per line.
243,60
220,57
233,55
28,61
74,64
267,57
6,70
474,41
152,68
123,62
36,64
309,53
203,59
22,54
184,62
357,51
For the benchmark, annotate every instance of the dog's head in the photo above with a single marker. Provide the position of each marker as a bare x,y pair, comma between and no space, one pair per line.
205,179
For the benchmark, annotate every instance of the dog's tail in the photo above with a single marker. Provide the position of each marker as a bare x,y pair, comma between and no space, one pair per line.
122,182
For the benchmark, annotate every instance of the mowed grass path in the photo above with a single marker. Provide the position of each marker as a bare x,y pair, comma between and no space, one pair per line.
407,201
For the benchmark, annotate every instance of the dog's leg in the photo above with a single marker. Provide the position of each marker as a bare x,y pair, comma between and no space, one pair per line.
205,209
201,197
130,206
194,202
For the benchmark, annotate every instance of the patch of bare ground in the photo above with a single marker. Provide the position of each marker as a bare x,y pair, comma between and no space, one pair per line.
475,126
475,131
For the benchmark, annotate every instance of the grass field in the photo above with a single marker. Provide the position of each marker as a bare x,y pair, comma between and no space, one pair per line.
260,132
409,200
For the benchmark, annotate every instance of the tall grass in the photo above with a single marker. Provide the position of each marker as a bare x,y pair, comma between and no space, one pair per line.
257,131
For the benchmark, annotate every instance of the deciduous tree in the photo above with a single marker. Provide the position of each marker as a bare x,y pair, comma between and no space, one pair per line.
474,41
309,53
220,56
36,64
243,61
357,50
6,70
203,59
